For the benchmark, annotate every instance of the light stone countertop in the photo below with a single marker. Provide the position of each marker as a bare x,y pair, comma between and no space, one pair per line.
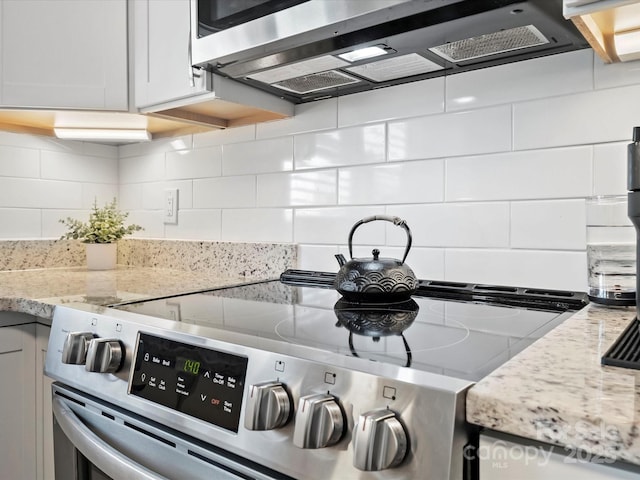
556,391
37,291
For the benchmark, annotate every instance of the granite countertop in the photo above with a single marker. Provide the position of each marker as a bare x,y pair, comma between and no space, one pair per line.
36,292
556,391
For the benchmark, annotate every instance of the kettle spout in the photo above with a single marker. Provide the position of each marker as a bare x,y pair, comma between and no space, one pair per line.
341,259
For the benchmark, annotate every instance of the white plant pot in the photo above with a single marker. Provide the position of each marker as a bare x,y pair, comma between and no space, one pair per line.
101,256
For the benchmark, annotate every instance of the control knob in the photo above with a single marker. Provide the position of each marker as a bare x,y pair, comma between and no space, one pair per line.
380,441
74,350
104,355
268,406
319,421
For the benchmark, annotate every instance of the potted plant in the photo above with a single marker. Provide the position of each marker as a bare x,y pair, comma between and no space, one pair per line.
100,234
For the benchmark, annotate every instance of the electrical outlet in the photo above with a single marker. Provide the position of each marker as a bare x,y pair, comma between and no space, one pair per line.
171,206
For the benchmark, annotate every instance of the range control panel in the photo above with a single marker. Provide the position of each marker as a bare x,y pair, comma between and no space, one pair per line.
201,382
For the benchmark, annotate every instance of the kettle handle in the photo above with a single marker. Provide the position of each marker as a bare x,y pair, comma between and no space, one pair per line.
388,218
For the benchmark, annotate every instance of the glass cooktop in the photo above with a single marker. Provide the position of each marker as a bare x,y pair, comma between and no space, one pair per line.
465,338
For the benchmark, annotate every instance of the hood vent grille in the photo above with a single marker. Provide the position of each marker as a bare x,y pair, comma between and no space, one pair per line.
316,82
491,44
321,56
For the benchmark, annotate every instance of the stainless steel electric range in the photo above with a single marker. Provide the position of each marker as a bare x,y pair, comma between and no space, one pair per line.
284,379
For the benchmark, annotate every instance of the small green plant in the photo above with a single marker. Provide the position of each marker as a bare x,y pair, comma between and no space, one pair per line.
105,225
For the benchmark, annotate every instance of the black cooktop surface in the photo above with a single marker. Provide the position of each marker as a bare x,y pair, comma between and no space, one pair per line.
465,337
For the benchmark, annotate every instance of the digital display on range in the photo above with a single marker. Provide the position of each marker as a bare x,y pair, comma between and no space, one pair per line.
201,382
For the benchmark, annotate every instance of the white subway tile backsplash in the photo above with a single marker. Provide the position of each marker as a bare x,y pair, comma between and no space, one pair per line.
261,156
349,146
257,225
98,192
56,194
201,224
297,189
226,136
78,168
151,221
552,224
608,75
538,78
524,268
426,263
34,193
199,163
51,226
225,192
406,182
308,117
584,118
39,142
36,142
610,169
479,211
553,173
129,150
130,196
452,134
332,225
161,145
19,162
147,168
20,223
401,101
100,150
452,225
318,257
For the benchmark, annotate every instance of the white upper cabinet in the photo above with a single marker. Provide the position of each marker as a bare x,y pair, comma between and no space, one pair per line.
64,54
162,55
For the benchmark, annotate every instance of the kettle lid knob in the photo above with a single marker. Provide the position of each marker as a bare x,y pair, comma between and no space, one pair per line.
376,253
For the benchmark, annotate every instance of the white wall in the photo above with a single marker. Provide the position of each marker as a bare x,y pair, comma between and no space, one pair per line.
489,168
44,179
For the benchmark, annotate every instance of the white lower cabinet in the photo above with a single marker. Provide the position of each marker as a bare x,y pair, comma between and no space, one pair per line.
26,436
503,459
17,402
44,414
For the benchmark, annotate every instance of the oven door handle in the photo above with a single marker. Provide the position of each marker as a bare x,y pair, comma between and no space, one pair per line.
100,453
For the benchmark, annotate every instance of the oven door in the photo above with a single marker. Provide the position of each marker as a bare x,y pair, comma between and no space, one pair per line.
95,440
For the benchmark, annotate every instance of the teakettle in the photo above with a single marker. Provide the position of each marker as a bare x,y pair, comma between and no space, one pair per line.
376,279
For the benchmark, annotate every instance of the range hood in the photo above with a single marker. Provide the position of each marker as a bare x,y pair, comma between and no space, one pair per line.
612,27
311,50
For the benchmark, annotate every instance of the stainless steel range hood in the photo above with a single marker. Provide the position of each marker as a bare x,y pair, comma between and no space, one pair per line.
310,51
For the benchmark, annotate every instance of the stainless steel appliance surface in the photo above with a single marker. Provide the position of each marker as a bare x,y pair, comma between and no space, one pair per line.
304,50
284,379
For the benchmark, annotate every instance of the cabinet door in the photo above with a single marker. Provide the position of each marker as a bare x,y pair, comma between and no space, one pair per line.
44,414
162,36
502,459
64,54
17,402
